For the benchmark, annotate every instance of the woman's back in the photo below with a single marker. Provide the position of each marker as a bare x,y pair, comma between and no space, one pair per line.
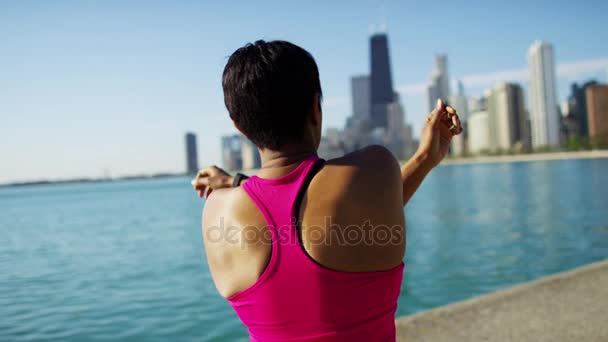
309,258
342,280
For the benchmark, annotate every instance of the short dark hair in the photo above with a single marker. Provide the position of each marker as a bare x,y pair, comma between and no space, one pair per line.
269,91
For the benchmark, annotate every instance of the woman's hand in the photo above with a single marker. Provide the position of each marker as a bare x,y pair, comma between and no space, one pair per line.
441,125
211,178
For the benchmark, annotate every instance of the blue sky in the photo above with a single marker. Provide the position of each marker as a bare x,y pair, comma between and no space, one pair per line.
88,86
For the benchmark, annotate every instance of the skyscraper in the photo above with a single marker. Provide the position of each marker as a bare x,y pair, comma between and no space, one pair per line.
250,155
432,94
577,107
361,97
439,86
544,118
477,103
378,115
231,152
479,132
381,80
191,154
395,139
460,102
507,117
597,112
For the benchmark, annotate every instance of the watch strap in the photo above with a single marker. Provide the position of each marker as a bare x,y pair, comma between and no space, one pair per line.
238,178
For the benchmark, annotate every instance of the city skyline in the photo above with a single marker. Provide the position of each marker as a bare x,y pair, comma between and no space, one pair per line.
112,80
378,115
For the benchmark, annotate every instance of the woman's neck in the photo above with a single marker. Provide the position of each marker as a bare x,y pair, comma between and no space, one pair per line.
277,163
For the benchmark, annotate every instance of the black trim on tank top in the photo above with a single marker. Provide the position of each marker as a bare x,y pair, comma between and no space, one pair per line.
296,208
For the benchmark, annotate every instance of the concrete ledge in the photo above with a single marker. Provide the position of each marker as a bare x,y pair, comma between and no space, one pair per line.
568,306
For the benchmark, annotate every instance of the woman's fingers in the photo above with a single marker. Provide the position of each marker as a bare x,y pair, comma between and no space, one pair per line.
448,114
454,121
203,173
455,124
446,132
458,124
435,115
200,182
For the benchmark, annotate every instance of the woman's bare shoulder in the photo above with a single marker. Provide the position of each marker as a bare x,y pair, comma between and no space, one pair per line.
375,157
229,205
374,165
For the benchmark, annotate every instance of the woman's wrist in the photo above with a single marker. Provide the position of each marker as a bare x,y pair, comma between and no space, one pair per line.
227,182
238,179
423,161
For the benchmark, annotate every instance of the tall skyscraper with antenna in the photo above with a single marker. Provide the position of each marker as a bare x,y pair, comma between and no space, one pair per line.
381,80
378,114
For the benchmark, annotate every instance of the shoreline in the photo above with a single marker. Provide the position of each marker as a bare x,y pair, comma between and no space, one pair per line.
90,180
531,157
567,306
593,154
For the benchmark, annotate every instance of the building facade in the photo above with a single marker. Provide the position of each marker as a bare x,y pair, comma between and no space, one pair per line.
479,132
507,118
544,118
597,114
577,108
361,97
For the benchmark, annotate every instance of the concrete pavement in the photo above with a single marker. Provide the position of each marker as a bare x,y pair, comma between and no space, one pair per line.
568,306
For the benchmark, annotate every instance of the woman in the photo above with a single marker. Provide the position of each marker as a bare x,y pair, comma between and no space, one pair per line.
308,250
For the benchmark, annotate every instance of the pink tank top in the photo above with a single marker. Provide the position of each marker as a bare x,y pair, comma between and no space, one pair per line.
296,299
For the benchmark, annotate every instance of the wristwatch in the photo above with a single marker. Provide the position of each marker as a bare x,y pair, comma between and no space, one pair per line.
238,178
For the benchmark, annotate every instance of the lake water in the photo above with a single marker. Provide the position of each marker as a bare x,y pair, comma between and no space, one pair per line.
124,261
